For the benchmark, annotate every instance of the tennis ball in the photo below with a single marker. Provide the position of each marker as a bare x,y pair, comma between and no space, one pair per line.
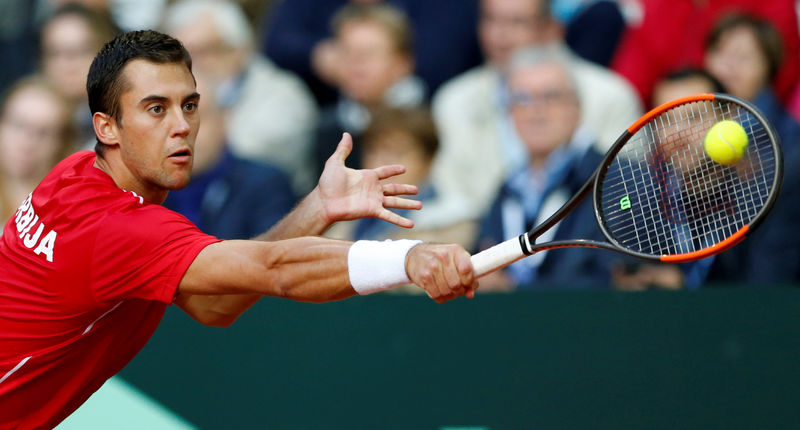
726,142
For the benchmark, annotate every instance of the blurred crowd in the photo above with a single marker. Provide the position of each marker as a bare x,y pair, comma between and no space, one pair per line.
499,109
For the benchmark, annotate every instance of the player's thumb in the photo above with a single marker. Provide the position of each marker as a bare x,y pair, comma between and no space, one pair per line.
343,149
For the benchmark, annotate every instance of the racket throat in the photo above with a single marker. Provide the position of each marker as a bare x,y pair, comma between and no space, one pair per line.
525,244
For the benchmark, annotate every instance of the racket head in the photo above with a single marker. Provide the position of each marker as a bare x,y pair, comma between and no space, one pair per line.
659,196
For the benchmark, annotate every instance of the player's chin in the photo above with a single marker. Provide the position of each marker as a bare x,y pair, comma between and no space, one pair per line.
178,180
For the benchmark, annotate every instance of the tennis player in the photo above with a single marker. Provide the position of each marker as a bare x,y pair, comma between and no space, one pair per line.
91,259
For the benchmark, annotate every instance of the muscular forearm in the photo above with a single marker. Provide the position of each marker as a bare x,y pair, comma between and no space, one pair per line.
306,269
221,310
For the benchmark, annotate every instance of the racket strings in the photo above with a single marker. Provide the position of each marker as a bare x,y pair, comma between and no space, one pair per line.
662,194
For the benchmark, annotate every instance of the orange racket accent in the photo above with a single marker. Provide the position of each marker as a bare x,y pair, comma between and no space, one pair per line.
711,250
667,106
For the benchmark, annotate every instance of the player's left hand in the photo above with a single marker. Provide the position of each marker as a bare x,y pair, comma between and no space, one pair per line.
349,194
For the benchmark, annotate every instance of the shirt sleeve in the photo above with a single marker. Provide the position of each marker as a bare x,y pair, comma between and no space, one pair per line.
143,254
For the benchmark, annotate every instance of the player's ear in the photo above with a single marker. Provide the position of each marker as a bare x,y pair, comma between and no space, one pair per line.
106,128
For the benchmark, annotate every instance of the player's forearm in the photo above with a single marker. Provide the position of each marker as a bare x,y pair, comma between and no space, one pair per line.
305,269
221,310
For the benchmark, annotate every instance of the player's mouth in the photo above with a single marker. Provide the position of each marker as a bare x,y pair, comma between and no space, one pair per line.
182,155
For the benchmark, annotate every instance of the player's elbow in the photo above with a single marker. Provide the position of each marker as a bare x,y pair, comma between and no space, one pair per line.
216,319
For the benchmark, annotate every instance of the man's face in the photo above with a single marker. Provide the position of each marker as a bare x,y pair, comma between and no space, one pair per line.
544,107
158,125
210,54
507,25
371,63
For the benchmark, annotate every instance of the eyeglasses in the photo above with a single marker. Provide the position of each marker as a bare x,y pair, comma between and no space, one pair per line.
544,99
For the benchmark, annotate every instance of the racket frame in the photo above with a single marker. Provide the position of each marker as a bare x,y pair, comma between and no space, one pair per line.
511,251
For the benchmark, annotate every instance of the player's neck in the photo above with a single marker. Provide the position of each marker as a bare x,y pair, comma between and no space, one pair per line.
126,180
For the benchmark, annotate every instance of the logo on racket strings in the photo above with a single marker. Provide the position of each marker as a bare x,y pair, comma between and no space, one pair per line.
625,203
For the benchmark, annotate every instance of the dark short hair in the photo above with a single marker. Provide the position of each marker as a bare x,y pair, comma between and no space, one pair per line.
105,83
416,122
691,73
767,37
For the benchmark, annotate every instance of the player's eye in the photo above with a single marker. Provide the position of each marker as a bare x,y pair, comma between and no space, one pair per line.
157,109
190,107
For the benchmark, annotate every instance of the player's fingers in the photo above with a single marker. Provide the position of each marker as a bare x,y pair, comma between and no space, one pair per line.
456,280
343,149
427,280
442,281
395,219
399,190
389,171
401,203
463,264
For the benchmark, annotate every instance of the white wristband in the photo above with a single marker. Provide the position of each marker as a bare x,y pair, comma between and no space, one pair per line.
376,266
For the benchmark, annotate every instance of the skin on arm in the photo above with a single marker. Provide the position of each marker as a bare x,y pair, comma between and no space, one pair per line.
314,269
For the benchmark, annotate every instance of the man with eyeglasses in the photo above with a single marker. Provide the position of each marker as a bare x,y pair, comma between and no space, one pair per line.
471,110
559,156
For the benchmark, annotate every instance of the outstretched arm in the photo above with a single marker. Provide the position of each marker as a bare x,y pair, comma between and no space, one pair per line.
342,194
313,269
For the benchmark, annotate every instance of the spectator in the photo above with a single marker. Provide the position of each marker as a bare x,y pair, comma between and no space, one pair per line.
229,197
472,111
744,53
545,108
271,113
638,275
35,134
70,37
377,69
671,35
298,37
767,256
407,137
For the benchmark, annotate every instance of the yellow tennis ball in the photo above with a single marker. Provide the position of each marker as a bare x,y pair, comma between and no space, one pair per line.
726,142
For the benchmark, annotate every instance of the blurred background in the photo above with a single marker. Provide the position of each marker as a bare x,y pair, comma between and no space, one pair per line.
569,339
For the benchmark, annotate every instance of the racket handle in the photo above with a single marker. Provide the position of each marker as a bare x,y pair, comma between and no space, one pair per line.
497,257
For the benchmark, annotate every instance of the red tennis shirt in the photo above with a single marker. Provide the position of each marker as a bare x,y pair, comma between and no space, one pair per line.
86,273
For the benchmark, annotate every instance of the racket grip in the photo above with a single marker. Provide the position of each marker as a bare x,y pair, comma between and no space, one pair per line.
497,257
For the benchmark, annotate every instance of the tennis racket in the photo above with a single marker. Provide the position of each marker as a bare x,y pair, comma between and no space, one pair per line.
657,194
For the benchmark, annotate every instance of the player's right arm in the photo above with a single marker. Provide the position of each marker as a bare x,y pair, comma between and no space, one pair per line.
314,269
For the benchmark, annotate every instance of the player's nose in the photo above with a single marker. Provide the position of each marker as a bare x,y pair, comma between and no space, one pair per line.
181,127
